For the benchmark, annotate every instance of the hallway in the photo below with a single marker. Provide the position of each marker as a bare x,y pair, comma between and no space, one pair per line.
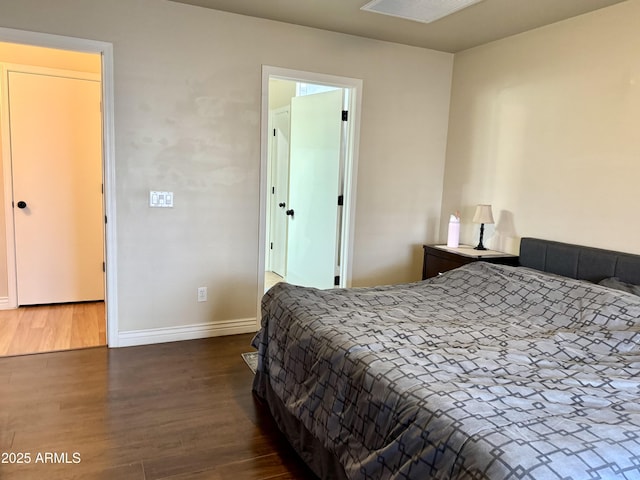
48,328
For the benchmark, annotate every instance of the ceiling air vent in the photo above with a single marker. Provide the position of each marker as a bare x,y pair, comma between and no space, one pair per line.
425,11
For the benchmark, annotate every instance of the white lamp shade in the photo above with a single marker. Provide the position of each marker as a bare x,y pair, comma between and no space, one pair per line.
483,214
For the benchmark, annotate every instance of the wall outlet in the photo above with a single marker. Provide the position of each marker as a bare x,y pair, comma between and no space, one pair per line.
202,294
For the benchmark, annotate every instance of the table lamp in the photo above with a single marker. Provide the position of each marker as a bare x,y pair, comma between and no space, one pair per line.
483,215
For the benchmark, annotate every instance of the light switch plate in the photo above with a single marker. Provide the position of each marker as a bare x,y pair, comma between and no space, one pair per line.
160,199
202,294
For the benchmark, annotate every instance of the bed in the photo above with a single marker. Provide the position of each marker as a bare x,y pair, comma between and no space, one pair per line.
485,372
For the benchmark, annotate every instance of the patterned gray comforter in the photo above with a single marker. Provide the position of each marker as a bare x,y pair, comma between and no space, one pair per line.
484,372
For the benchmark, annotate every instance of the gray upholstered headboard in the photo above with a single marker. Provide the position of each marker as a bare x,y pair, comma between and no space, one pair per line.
575,261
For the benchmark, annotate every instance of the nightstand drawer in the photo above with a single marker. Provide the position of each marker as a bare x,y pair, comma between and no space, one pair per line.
439,258
436,265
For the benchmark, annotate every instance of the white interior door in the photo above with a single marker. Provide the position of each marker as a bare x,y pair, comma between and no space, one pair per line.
279,192
314,175
56,155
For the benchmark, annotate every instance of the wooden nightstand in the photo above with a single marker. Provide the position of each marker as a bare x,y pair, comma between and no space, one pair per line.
440,258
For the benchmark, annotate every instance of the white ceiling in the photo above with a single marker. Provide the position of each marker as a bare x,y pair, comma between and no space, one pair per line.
478,24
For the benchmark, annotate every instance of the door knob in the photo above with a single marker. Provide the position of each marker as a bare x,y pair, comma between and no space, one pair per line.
289,212
281,205
22,204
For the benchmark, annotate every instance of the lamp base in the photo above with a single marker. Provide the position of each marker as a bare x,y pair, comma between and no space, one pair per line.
480,245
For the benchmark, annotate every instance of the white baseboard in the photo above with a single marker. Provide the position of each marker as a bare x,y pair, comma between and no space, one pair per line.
5,305
188,332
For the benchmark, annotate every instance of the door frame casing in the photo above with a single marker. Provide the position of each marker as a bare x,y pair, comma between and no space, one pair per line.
104,49
352,141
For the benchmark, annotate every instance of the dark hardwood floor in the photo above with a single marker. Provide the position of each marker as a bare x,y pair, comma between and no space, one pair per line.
174,411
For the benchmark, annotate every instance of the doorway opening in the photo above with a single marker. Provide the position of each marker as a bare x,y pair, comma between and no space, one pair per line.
56,144
308,178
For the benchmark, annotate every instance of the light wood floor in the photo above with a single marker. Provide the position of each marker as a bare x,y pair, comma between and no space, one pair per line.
178,411
47,328
270,279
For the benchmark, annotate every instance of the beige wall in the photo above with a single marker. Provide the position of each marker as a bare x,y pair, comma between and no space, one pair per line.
187,119
546,127
41,57
280,93
50,58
